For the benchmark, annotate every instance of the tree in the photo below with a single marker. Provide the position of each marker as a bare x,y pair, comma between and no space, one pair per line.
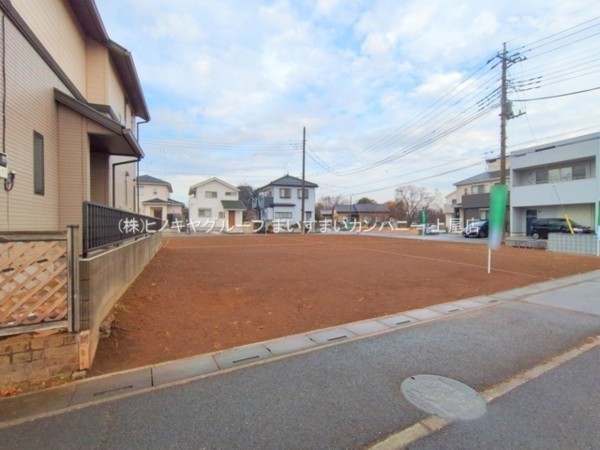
396,209
367,201
246,194
330,201
412,199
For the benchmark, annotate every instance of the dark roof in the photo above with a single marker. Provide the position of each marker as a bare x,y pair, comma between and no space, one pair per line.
371,208
233,204
485,176
363,208
147,179
160,201
291,181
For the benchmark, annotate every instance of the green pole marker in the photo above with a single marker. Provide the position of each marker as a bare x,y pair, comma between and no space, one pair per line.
498,197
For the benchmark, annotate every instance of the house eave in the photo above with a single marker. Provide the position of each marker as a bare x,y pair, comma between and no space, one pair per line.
120,142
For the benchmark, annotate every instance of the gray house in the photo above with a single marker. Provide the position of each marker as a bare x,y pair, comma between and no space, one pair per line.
554,180
282,200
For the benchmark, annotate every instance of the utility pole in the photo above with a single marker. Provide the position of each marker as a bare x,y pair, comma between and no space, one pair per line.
303,179
503,108
505,111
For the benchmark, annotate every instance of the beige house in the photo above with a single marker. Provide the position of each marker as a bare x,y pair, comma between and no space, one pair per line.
71,104
154,200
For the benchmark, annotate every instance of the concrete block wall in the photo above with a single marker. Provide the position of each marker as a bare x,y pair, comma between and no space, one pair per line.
568,243
105,277
31,358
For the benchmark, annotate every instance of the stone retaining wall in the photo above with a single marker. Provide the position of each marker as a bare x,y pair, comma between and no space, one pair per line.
31,358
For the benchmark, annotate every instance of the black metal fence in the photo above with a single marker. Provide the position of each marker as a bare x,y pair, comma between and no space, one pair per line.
104,226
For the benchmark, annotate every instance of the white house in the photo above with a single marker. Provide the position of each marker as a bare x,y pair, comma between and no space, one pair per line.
282,200
154,199
553,180
215,204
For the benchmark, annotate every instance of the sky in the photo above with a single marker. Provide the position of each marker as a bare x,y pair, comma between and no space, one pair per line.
390,92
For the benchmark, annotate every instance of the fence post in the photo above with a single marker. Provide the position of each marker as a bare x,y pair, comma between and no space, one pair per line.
73,280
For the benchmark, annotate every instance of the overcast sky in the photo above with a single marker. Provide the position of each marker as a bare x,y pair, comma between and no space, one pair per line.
390,91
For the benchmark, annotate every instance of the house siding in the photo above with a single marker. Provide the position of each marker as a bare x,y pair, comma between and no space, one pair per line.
103,83
53,24
97,65
29,90
75,166
116,98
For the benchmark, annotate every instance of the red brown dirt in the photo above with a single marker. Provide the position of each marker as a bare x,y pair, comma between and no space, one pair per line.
207,293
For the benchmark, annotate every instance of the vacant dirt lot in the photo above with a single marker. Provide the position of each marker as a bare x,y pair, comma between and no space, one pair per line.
201,294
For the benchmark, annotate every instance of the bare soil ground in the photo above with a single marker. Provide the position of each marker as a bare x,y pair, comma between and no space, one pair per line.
207,293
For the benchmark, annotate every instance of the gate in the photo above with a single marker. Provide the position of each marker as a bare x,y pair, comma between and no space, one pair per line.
35,290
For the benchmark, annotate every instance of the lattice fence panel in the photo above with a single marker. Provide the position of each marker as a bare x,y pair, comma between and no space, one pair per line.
33,282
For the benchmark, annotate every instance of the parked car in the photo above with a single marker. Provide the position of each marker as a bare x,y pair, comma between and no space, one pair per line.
541,227
479,229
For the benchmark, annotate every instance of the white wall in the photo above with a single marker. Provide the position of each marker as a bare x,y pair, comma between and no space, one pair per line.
199,201
576,198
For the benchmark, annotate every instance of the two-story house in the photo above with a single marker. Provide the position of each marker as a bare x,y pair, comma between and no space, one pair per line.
282,200
154,199
214,204
70,104
471,199
553,180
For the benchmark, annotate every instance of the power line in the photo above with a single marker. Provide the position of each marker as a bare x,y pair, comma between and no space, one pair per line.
557,96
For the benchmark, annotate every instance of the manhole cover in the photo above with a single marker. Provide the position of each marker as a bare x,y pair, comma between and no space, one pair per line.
443,397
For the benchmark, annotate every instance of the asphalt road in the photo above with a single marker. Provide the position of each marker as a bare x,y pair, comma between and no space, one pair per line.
348,395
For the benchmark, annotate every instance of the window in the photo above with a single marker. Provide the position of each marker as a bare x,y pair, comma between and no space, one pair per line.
38,164
541,176
230,194
204,212
305,193
479,189
283,215
579,172
285,193
568,171
155,191
210,194
141,191
221,214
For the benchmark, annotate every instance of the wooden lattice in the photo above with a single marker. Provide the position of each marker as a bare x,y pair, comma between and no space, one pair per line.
33,282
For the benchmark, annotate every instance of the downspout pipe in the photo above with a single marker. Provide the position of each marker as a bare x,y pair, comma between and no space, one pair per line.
137,168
